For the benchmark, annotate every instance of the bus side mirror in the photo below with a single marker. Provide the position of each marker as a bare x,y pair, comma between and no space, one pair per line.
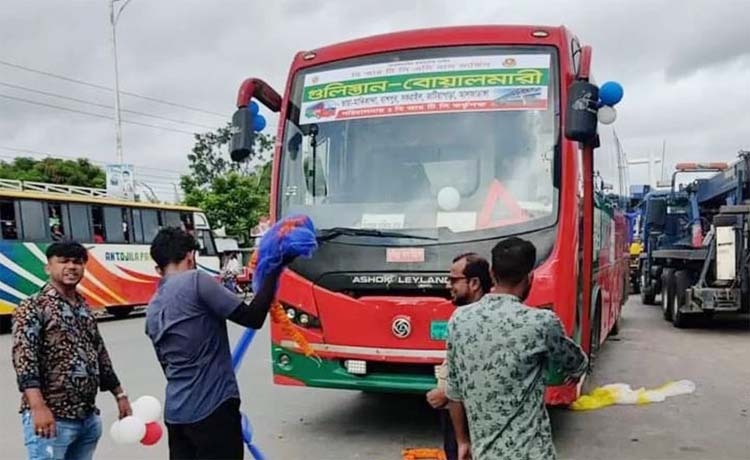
581,114
241,145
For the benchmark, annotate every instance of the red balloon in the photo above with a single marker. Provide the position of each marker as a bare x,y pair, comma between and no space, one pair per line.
153,434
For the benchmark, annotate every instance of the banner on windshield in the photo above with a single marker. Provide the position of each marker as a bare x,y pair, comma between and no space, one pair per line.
441,85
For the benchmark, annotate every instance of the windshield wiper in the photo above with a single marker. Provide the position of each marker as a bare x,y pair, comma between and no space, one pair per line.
331,233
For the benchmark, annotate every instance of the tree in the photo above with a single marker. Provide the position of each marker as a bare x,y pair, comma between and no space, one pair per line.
80,172
232,195
209,158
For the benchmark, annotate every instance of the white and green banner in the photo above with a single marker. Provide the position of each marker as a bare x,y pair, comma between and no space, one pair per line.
454,84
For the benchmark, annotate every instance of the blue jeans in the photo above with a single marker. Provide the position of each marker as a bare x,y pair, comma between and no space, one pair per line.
75,440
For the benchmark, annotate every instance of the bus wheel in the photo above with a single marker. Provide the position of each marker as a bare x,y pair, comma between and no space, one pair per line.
119,312
615,328
667,293
596,328
682,284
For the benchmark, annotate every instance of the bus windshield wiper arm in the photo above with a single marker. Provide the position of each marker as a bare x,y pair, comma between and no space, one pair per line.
335,232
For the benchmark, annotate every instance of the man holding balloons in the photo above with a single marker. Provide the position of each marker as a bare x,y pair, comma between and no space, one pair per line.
61,362
186,322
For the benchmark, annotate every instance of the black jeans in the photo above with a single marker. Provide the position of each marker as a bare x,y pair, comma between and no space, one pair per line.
216,437
450,445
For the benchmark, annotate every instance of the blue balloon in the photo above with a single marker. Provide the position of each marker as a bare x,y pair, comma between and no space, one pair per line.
259,122
610,93
253,108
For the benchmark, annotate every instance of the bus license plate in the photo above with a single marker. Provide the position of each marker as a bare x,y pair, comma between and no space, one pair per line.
439,330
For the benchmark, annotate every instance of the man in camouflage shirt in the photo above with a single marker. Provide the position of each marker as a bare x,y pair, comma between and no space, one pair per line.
498,350
61,363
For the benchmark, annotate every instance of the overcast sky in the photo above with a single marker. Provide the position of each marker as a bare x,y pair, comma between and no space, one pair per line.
685,67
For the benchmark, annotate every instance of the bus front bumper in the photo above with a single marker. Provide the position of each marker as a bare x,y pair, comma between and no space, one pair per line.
295,369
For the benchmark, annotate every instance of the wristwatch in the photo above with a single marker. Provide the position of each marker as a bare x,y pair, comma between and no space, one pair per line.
122,395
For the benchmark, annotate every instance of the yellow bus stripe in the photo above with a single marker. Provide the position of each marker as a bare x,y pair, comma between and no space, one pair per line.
90,294
104,288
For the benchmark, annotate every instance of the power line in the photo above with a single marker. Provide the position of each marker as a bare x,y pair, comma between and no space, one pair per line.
106,88
104,106
92,114
157,184
71,157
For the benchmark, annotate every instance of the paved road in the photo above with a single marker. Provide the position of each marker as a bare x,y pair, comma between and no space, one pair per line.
299,423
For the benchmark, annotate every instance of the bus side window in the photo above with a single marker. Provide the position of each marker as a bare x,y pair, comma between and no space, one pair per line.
116,226
97,223
56,226
172,219
206,242
80,227
151,224
33,220
8,220
138,227
127,225
187,222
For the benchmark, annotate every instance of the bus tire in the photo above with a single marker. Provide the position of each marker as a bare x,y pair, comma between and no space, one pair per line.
667,293
595,330
681,285
615,328
120,312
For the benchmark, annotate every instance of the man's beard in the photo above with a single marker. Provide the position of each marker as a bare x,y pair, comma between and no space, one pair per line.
461,301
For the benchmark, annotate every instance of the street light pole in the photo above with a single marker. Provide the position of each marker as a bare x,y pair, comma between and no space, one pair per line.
113,18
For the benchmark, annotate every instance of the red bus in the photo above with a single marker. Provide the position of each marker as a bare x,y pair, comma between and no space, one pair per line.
407,149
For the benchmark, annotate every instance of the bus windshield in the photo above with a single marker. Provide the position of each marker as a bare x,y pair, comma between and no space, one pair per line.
457,139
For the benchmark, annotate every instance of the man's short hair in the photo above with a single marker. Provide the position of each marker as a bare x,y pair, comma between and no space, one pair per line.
67,249
512,260
476,267
172,245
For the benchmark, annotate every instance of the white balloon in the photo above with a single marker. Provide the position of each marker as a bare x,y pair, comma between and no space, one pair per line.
114,432
131,430
448,198
607,115
147,408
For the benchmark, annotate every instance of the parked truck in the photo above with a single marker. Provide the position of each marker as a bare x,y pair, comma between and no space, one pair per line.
707,269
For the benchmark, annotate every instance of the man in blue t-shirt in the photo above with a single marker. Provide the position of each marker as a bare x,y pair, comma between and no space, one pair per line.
186,322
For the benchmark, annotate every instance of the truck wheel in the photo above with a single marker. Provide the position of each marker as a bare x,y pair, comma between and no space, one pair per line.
681,285
667,292
647,295
635,286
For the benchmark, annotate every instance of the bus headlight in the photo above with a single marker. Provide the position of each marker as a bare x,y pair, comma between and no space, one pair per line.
301,318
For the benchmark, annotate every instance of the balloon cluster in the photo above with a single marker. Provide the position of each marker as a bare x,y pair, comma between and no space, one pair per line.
258,120
143,426
289,238
609,95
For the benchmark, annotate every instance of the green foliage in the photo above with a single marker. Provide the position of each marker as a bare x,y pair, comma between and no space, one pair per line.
233,195
79,172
